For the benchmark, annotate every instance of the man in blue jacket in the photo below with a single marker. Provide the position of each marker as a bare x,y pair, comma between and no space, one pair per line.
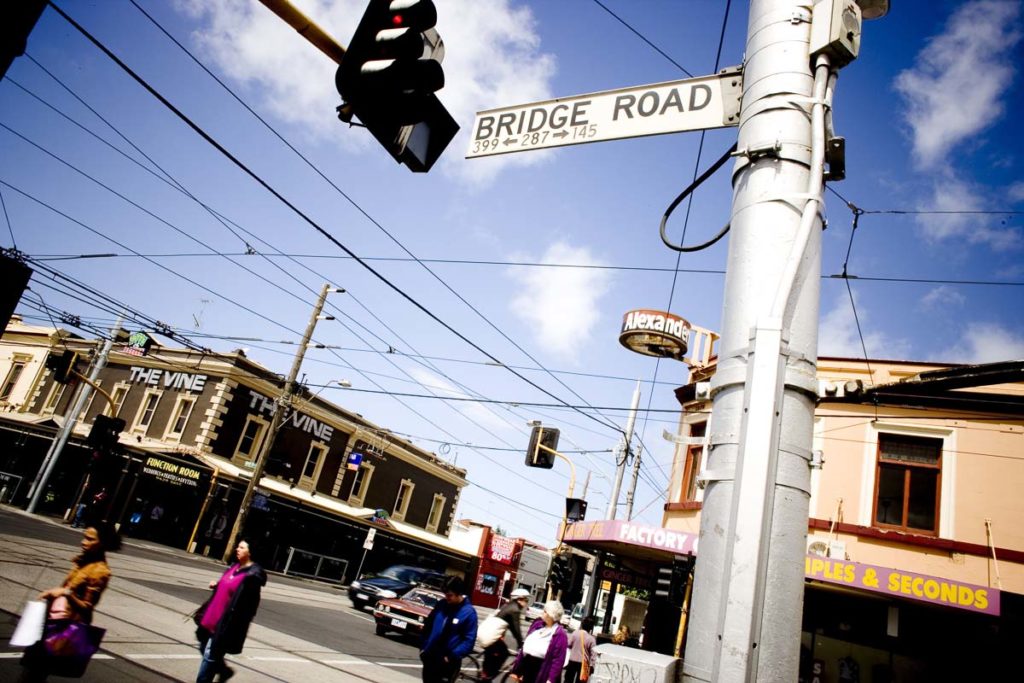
448,634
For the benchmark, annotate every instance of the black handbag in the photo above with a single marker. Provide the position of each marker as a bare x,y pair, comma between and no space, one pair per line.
200,612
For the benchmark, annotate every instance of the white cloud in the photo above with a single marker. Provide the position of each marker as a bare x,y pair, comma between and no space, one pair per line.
837,335
988,343
492,59
942,297
1016,191
561,305
950,193
956,88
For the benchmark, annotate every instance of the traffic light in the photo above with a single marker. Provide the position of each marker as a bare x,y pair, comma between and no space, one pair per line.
670,584
17,19
575,509
388,78
537,456
558,576
63,366
104,432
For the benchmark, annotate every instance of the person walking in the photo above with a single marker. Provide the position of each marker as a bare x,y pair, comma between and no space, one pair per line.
223,621
581,649
542,656
76,598
448,633
511,615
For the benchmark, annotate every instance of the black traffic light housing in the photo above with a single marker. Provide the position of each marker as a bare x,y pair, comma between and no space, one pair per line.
575,509
559,576
63,366
14,277
388,78
17,19
670,584
537,456
104,432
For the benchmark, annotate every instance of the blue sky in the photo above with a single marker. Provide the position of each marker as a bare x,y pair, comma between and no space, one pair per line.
926,111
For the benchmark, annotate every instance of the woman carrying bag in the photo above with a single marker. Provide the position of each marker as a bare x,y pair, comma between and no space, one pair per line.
580,663
69,640
223,620
542,656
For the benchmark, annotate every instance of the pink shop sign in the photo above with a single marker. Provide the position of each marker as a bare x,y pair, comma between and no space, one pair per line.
619,531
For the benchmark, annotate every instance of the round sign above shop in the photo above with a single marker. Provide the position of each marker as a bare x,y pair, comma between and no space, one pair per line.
655,333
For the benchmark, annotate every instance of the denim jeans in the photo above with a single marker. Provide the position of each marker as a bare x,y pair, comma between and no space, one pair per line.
210,666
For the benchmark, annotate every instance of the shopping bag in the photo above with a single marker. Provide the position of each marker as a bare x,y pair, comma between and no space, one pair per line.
69,645
30,627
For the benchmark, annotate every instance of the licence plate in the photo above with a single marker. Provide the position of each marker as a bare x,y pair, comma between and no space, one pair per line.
398,623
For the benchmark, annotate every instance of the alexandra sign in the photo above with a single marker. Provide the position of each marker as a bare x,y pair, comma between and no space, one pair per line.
655,333
901,584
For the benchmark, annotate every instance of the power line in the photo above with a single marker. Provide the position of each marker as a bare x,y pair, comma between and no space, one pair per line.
643,38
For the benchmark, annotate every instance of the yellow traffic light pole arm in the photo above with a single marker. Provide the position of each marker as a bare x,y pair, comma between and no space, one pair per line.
306,28
97,387
572,467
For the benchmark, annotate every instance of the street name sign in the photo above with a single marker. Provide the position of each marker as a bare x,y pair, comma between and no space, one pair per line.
672,107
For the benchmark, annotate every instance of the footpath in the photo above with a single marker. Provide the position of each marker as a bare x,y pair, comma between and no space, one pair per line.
149,636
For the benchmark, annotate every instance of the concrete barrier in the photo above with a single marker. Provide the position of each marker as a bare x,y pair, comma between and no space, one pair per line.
618,664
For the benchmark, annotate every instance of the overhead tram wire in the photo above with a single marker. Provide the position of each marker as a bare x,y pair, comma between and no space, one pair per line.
644,38
686,221
353,203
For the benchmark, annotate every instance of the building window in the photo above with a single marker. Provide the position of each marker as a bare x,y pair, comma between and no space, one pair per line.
251,439
92,399
179,418
56,391
361,485
17,367
402,499
436,509
907,483
314,459
120,392
144,416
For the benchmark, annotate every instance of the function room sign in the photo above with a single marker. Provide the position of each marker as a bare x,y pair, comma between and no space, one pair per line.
672,107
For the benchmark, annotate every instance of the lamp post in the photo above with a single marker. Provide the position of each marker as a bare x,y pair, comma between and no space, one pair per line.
276,419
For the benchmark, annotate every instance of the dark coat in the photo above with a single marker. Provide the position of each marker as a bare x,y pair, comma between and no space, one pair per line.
229,637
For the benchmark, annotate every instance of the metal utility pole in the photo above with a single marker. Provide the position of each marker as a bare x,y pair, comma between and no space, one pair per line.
61,439
276,418
627,438
749,579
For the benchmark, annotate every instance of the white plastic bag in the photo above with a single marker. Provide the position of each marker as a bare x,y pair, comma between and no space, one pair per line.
490,631
30,626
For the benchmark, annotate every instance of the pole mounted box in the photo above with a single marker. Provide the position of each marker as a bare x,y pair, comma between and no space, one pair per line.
835,31
543,440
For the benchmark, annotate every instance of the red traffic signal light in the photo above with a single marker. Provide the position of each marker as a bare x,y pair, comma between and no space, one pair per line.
388,78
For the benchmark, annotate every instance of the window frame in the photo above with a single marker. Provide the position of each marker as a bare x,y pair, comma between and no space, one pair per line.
181,400
438,506
137,424
257,441
53,398
908,468
401,505
18,363
92,399
361,486
318,464
115,410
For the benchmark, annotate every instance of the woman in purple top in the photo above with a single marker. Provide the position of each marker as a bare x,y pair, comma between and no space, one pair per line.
542,655
224,623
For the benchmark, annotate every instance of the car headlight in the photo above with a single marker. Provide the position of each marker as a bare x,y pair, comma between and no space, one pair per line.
384,608
354,584
420,619
388,594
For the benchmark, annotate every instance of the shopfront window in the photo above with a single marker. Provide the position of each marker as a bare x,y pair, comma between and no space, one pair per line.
907,483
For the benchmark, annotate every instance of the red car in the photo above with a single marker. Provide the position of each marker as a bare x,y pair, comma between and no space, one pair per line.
407,613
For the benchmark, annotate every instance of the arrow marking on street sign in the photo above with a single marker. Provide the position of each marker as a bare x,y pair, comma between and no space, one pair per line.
672,107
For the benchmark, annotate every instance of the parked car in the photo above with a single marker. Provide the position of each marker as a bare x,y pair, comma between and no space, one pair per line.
393,582
407,613
534,611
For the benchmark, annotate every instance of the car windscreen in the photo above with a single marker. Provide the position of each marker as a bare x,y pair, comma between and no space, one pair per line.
403,574
422,598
